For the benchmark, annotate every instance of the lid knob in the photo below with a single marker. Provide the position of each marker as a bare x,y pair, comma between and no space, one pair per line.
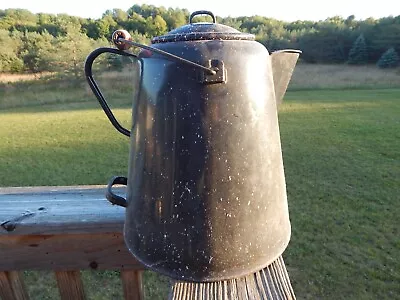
202,12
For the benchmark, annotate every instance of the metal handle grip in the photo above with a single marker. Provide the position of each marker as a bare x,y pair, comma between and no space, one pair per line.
111,196
202,12
95,88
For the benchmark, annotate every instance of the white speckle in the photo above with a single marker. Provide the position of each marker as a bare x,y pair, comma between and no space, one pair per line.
248,203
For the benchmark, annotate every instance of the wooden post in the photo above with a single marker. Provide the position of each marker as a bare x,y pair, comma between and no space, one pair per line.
70,285
132,284
12,286
270,283
6,291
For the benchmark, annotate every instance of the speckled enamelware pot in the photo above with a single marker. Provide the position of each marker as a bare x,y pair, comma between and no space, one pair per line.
206,195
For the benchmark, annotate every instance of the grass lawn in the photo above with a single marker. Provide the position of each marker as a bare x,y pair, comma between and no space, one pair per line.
342,161
341,153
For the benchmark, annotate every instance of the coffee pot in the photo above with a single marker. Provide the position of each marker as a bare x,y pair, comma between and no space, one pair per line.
206,195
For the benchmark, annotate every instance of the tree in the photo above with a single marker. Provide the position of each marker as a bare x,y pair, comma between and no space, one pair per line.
37,51
175,18
119,15
334,40
232,22
9,61
71,53
350,21
102,28
137,23
389,59
10,18
156,26
384,35
358,54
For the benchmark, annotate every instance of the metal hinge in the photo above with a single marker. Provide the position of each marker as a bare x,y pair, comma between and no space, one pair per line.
218,77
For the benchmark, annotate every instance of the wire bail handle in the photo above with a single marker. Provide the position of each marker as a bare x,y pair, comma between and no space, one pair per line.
123,41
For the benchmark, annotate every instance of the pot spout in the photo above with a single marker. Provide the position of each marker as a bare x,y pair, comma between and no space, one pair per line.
283,63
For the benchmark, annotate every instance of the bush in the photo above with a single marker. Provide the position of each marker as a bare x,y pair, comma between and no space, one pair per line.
389,59
10,63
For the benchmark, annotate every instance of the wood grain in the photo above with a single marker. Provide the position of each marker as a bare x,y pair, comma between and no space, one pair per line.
103,251
6,291
58,210
61,228
270,283
12,286
70,285
64,229
132,284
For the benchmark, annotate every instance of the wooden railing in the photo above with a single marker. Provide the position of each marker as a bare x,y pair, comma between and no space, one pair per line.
65,230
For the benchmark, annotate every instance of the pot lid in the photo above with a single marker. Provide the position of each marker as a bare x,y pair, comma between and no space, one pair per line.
203,31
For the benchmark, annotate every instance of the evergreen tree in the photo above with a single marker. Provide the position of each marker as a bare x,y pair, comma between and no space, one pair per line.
358,54
389,59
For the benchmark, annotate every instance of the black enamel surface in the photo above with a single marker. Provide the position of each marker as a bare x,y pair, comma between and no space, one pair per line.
206,188
203,31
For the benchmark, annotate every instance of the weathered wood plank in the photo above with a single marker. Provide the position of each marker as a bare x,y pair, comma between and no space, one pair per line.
132,284
18,285
6,291
53,210
70,285
12,286
66,252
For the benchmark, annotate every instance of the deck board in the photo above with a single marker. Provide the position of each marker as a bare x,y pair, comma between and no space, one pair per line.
62,228
52,210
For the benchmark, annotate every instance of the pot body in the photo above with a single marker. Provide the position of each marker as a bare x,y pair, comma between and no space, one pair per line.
206,190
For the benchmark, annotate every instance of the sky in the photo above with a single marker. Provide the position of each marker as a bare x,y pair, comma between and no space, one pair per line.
281,10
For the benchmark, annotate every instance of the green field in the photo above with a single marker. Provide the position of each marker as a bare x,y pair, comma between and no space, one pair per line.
341,150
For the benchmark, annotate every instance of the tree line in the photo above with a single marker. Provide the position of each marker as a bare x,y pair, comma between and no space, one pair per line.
59,43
